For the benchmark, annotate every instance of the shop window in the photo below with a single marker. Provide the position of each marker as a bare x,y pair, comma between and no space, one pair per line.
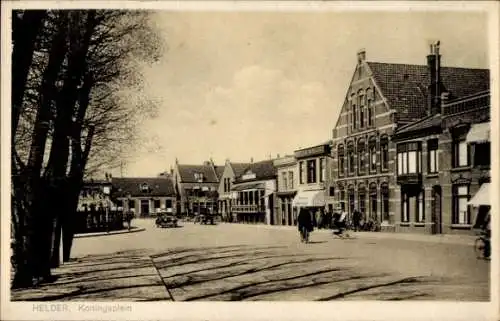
311,171
351,200
362,200
405,217
482,155
432,156
341,160
461,213
361,156
384,153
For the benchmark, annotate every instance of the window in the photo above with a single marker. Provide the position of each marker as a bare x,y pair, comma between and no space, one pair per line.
351,200
350,157
432,156
342,199
311,171
373,201
301,172
361,111
409,158
482,155
384,152
340,152
461,214
361,156
372,145
460,153
168,203
331,191
322,169
405,217
131,204
420,217
371,112
354,116
284,180
384,194
144,188
362,200
157,203
198,177
290,179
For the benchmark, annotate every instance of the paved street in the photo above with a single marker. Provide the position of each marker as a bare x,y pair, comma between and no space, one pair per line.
244,262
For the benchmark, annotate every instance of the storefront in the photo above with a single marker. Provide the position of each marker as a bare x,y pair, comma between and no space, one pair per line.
312,200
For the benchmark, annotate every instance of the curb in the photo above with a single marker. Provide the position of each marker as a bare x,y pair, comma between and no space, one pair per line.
133,230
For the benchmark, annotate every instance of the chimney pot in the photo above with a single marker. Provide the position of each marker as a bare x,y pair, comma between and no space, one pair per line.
361,55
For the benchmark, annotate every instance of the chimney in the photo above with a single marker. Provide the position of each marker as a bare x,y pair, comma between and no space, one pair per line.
434,65
361,55
251,159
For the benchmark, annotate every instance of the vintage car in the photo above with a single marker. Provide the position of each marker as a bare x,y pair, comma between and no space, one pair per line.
166,220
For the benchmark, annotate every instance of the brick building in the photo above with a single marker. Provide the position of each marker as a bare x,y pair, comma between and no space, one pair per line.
382,98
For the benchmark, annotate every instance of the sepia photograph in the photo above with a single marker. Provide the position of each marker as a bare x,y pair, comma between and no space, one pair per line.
274,152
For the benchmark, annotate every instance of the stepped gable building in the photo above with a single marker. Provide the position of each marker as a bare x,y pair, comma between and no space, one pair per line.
381,98
196,187
443,160
254,194
230,171
145,196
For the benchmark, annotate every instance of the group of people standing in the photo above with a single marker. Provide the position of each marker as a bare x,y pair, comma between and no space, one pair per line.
338,220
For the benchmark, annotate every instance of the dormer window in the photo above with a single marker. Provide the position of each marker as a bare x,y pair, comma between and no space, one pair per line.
198,177
144,188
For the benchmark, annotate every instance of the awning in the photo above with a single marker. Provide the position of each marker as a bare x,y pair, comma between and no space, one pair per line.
482,196
309,199
479,133
248,186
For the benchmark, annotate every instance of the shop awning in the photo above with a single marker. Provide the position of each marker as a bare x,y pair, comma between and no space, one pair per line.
479,133
482,196
309,199
248,186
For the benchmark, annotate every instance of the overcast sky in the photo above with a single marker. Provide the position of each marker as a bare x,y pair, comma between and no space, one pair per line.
241,85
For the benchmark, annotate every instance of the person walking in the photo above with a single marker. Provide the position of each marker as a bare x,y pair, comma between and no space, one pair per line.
356,219
340,222
304,224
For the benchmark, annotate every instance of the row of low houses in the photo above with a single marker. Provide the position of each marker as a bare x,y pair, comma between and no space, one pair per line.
410,149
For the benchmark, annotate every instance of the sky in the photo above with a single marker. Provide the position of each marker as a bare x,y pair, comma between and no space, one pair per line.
242,85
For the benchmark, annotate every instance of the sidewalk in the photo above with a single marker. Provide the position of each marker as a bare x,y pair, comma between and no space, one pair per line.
134,229
438,238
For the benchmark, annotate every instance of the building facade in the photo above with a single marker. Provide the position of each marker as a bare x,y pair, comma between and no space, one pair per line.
254,194
196,187
230,172
145,196
287,184
383,98
443,160
312,167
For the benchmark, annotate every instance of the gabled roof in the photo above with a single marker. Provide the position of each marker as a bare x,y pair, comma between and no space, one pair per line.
219,170
158,186
186,173
406,86
262,170
239,168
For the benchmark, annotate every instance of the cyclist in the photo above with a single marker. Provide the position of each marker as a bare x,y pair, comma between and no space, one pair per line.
304,224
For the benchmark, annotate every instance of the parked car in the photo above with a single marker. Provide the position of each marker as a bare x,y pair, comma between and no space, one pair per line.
166,220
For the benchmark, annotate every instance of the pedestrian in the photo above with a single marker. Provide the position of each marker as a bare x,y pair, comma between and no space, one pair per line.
340,222
319,219
356,219
304,224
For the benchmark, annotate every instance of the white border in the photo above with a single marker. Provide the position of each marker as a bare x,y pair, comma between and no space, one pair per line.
353,310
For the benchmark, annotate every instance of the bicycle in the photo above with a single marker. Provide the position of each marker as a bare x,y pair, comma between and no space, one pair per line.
482,246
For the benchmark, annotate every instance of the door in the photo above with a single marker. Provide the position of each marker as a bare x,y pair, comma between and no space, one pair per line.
144,207
436,210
